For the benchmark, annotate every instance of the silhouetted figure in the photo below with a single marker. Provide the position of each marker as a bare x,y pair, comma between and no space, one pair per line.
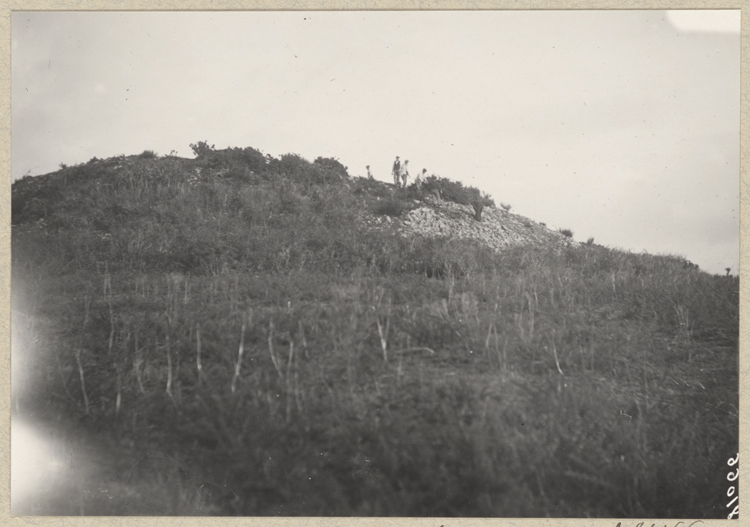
396,171
404,173
369,174
478,206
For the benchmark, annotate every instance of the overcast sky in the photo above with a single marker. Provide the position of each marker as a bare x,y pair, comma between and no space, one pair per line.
619,125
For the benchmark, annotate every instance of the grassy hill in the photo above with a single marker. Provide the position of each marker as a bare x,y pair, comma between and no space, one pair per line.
244,335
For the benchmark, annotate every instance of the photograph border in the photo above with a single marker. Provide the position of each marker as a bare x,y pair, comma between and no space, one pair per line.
8,7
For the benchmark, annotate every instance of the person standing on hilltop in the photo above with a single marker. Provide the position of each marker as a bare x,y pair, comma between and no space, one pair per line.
419,178
404,173
396,171
369,174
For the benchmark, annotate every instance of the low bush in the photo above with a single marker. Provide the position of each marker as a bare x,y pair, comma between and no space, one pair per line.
391,207
201,149
363,186
455,191
333,165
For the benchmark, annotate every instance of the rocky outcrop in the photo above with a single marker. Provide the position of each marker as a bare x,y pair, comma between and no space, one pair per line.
498,229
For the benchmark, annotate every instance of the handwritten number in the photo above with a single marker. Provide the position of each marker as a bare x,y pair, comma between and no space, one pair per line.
731,491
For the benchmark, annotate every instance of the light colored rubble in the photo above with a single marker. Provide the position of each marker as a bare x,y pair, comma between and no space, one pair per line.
498,229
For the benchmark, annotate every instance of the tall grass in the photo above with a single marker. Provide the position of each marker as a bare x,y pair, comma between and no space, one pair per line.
283,361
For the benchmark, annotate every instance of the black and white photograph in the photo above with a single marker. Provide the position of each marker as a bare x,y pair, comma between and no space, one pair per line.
375,263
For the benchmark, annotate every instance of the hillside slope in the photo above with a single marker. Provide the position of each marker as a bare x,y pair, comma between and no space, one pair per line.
239,334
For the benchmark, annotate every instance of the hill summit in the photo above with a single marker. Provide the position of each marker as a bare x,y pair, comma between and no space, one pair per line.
236,188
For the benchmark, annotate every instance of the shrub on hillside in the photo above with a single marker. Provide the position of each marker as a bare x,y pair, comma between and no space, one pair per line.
391,207
332,164
566,232
201,149
370,187
232,158
292,165
456,192
297,168
248,158
238,161
148,154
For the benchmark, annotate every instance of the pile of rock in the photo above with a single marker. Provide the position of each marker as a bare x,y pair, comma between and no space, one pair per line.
498,229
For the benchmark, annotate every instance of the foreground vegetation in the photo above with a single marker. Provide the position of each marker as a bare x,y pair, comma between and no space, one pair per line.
267,355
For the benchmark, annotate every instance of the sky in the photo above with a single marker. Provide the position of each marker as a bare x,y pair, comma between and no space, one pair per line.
623,126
